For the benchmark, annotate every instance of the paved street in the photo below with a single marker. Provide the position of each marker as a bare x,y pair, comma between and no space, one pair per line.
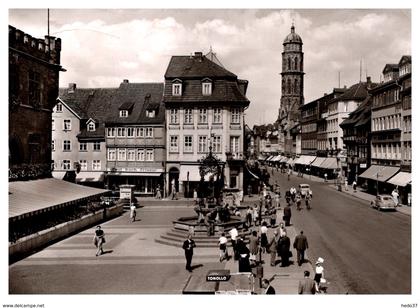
365,251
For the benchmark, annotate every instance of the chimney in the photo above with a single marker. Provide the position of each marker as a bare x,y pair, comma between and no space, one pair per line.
72,87
125,81
198,54
368,82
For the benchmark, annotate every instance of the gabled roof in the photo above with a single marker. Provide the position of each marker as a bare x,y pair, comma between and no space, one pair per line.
356,92
361,115
197,66
405,59
390,67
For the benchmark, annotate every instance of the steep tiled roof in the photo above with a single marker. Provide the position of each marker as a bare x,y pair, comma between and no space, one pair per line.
196,66
361,115
356,92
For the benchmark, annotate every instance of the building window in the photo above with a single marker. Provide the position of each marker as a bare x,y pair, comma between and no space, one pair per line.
188,116
111,154
173,145
122,155
150,113
91,127
53,124
66,145
34,89
139,132
173,116
96,146
83,146
149,155
234,144
130,132
140,155
123,113
59,107
66,164
66,124
188,141
111,132
121,132
202,144
53,145
202,116
235,116
217,144
149,132
217,115
131,154
206,88
177,89
83,164
96,165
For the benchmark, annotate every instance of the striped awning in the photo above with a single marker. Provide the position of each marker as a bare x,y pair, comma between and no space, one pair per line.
318,161
401,179
379,173
329,163
305,160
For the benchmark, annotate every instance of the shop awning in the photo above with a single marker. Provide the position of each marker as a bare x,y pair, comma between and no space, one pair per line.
329,163
191,173
28,197
380,173
318,161
401,179
90,176
269,158
305,160
291,161
124,173
276,158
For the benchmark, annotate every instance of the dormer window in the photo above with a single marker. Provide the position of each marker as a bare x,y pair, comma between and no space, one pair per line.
177,87
91,126
123,113
150,113
206,86
59,108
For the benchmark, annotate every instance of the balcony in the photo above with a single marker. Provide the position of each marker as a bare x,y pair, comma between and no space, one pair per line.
232,156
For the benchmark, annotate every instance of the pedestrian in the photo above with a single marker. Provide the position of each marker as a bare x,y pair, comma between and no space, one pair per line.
354,186
395,196
255,214
272,247
268,289
223,247
308,200
249,190
173,189
277,200
287,214
188,247
306,285
195,196
282,230
233,238
99,240
253,247
264,239
284,250
298,201
300,244
319,273
346,183
248,216
273,218
325,177
243,254
264,191
158,193
133,212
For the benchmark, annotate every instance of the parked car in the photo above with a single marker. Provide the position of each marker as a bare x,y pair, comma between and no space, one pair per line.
383,202
305,188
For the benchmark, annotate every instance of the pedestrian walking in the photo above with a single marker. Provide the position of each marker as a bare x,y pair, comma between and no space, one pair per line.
233,238
268,289
298,201
306,285
325,177
158,193
346,183
223,247
133,212
173,189
277,200
282,230
195,196
264,239
188,247
308,200
272,247
99,240
395,196
287,215
300,244
243,254
248,216
273,218
253,247
319,274
284,250
255,214
354,186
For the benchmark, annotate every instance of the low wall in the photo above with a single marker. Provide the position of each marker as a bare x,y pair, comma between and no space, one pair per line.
33,242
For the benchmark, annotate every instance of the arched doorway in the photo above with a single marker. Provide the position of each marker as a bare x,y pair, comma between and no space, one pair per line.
173,179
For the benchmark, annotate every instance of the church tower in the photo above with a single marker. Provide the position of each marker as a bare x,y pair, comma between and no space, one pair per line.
291,79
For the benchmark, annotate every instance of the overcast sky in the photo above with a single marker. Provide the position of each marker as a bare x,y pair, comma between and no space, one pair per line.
100,48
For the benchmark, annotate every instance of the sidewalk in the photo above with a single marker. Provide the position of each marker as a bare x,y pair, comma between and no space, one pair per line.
287,279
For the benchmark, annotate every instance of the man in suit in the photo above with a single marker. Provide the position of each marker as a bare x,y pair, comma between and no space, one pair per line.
287,214
188,247
268,289
300,244
306,285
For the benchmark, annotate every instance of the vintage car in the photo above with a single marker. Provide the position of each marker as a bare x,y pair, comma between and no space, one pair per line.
383,202
304,189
